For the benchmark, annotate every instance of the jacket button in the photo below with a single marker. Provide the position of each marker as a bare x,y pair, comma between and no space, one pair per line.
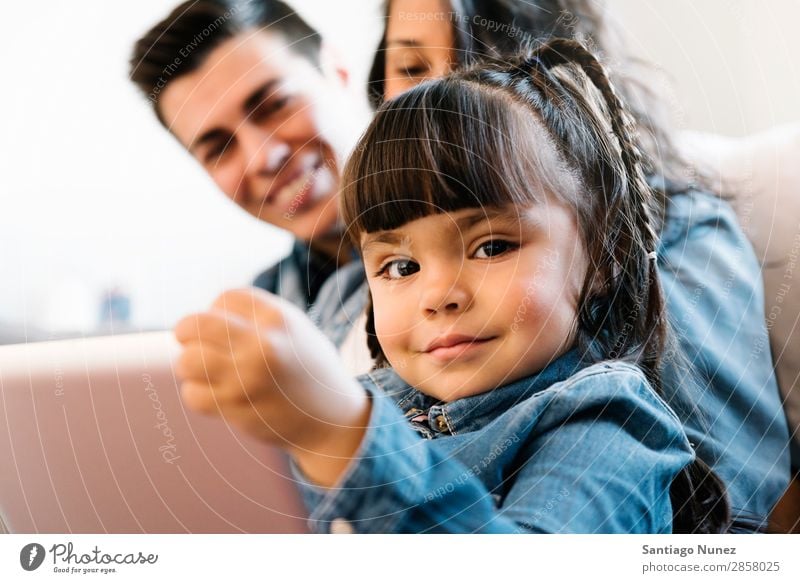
341,526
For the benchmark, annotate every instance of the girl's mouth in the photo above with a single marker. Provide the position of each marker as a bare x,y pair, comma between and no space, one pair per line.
453,346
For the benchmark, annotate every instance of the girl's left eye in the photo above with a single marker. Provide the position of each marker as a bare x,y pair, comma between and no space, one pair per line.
494,248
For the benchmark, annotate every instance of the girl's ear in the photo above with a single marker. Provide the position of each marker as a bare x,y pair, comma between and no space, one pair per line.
375,350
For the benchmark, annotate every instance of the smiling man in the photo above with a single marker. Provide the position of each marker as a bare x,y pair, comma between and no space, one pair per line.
254,95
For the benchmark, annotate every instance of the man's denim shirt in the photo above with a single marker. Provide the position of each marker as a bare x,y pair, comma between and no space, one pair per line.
575,448
333,299
713,286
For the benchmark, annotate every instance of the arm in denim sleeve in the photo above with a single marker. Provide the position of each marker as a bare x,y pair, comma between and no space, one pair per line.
399,483
595,457
603,459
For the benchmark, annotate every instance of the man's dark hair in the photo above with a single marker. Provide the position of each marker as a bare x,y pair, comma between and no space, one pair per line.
181,42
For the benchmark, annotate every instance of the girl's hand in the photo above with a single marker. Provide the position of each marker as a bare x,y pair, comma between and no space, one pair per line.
260,363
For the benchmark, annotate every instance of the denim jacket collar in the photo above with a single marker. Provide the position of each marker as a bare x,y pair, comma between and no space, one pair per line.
476,411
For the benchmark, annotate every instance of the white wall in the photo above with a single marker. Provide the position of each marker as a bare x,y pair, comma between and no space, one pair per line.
93,192
734,65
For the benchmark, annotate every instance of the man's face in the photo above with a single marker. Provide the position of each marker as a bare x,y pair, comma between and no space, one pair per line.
269,127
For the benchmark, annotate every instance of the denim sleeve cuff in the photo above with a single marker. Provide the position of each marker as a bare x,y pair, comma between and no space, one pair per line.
378,485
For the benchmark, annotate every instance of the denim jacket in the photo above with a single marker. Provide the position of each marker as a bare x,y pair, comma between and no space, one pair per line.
713,287
575,448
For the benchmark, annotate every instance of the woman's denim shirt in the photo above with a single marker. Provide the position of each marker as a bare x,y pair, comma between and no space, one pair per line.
575,448
715,302
713,286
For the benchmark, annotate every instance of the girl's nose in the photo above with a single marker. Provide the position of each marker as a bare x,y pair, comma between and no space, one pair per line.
445,291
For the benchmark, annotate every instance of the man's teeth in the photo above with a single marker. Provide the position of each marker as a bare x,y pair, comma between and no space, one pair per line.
296,186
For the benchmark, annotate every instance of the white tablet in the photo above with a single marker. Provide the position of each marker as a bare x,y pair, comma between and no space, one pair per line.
94,438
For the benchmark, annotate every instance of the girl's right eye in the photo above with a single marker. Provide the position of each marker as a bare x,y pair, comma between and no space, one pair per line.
398,269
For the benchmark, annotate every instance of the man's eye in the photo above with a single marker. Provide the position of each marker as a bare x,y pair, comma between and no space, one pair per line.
494,248
399,268
269,108
216,151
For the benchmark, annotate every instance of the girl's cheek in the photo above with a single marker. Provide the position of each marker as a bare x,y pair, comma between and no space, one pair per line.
542,304
388,327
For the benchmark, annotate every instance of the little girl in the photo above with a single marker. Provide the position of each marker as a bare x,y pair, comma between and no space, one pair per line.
508,236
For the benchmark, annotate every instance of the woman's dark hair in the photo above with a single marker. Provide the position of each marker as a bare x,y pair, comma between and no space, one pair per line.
180,43
499,28
513,132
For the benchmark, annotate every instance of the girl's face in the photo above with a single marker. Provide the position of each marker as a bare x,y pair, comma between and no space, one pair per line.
471,300
419,43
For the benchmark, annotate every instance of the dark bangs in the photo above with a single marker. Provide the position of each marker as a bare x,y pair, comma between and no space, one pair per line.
444,146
